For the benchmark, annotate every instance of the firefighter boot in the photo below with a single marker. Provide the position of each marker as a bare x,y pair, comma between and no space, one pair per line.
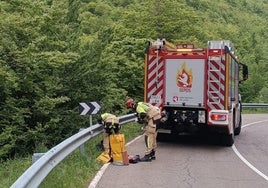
152,154
146,158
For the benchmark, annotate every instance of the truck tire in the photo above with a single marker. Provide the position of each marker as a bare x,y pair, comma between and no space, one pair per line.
238,129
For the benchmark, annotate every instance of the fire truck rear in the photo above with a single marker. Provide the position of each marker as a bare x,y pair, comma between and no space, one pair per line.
196,88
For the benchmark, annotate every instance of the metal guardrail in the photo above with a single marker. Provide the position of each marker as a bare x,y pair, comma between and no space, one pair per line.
37,172
254,105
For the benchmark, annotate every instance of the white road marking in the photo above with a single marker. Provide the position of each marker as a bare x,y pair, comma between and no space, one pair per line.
244,160
98,176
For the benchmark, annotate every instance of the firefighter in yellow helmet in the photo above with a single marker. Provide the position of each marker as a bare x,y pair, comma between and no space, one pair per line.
111,125
150,116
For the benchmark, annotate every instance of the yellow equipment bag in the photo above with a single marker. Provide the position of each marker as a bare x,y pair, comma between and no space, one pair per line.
117,143
104,157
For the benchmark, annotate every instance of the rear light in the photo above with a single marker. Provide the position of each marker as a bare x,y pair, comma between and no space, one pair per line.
218,117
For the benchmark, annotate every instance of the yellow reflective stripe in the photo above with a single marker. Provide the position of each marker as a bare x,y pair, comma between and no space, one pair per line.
147,141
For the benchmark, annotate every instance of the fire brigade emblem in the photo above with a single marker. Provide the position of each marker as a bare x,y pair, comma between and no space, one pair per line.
184,79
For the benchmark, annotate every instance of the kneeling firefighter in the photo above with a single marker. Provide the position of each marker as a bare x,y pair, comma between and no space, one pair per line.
150,116
111,125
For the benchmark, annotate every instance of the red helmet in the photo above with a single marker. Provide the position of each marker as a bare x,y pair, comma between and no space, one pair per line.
129,103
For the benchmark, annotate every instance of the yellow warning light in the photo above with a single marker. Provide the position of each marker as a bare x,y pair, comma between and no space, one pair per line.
185,50
185,46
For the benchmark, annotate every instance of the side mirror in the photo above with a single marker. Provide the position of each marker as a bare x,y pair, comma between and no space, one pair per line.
244,72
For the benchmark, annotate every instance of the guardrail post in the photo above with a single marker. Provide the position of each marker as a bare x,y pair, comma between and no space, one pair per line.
82,146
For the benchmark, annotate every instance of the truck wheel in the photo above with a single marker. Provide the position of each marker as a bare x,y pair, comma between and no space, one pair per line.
238,129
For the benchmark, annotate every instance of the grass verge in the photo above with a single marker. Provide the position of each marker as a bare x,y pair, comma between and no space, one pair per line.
76,170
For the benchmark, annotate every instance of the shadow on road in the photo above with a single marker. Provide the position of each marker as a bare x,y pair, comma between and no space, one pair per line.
203,139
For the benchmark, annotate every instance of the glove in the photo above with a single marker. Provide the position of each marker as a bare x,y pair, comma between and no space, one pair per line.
143,115
99,120
141,121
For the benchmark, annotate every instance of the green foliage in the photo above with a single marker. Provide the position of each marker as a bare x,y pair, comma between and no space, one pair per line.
55,54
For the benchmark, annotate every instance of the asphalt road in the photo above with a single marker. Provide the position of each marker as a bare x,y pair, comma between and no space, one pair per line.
197,162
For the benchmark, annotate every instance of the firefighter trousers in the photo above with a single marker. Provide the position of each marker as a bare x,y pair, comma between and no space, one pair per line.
150,136
106,142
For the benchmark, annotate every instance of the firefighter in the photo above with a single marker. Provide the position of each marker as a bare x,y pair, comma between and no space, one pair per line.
111,126
150,116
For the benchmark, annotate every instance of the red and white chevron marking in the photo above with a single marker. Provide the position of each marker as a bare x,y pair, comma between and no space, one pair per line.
155,78
216,85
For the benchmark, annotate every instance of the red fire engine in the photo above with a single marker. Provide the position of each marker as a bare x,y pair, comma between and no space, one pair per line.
196,88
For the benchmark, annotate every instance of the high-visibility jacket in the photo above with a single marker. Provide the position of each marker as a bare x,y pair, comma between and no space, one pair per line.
148,109
110,118
142,107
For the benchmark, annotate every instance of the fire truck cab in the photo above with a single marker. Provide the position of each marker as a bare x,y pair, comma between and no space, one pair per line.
195,88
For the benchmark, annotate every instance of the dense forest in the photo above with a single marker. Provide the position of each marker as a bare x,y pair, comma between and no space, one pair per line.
56,54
